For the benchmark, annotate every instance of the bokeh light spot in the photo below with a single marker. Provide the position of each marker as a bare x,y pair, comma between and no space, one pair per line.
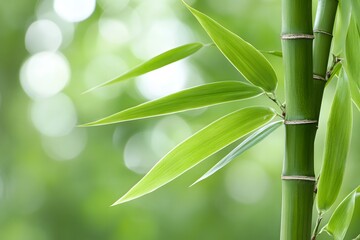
164,81
55,116
246,182
101,69
114,31
161,36
43,35
167,133
113,6
138,156
74,10
44,74
66,147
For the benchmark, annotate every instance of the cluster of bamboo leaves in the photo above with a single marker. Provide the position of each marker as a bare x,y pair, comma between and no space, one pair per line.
255,122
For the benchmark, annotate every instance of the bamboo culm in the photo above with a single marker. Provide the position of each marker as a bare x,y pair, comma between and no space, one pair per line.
305,78
300,119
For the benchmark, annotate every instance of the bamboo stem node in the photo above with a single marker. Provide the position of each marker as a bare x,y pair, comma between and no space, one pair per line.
323,32
300,178
293,36
300,122
318,77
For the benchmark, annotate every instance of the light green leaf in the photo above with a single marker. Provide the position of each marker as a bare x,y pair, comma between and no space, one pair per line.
201,145
355,4
157,62
353,61
337,143
274,53
192,98
245,58
334,73
355,94
340,220
250,141
341,26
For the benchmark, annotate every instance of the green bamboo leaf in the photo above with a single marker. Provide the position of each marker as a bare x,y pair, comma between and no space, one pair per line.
353,61
355,94
341,26
192,98
157,62
201,145
355,4
274,53
245,58
250,141
337,143
334,73
340,220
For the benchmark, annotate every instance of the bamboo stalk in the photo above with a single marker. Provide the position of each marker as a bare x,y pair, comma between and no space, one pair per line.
323,28
301,120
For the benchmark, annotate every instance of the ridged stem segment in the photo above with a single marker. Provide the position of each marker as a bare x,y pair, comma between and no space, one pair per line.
323,28
297,195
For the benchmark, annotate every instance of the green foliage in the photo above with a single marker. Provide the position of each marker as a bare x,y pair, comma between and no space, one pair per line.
201,145
352,62
334,72
355,4
340,220
249,142
341,26
245,58
196,97
337,143
157,62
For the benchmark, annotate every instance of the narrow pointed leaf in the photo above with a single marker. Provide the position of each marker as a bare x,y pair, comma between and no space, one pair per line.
337,143
340,220
157,62
250,141
353,61
245,58
192,98
341,26
201,145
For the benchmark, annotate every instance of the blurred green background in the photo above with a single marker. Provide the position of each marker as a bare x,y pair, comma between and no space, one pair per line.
57,181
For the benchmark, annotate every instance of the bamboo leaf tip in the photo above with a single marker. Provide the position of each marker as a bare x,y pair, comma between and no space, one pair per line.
196,182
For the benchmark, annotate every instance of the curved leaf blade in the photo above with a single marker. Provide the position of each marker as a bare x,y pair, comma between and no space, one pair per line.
244,57
201,145
192,98
341,27
341,218
355,94
249,142
355,4
337,143
353,61
157,62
